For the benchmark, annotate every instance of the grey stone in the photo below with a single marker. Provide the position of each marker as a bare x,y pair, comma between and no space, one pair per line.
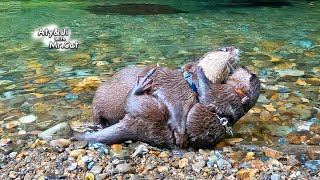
61,130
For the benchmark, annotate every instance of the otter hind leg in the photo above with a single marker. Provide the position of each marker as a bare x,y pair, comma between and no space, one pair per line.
143,84
116,133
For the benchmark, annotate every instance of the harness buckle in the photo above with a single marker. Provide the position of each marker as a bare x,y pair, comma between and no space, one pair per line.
224,123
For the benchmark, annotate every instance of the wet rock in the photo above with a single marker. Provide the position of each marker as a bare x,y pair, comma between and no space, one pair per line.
163,169
80,144
60,143
90,165
183,163
163,155
13,155
197,167
61,130
315,129
253,164
275,177
272,153
252,148
289,72
96,169
292,160
28,176
246,174
281,141
72,167
314,164
313,152
140,150
277,130
28,119
86,159
223,164
293,138
77,152
314,140
125,168
71,97
12,124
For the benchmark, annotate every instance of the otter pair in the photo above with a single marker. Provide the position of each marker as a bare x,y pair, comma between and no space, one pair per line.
148,108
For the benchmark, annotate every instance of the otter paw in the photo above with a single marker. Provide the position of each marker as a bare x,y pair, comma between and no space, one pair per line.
143,84
181,139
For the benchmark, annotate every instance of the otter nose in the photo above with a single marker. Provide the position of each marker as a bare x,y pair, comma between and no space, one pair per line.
227,49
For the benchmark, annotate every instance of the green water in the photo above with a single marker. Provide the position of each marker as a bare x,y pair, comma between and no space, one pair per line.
35,79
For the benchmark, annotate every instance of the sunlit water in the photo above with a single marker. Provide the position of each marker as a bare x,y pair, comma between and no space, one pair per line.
274,41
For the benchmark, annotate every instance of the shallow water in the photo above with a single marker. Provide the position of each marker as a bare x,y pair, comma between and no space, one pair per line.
279,41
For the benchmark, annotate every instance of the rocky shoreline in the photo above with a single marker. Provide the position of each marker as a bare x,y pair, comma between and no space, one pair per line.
232,158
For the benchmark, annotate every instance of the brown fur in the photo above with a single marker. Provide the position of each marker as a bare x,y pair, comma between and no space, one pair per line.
224,100
170,87
147,117
109,99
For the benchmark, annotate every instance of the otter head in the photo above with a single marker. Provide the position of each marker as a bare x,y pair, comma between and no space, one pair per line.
219,63
248,82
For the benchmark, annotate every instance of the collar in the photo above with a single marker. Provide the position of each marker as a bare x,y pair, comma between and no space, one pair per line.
188,77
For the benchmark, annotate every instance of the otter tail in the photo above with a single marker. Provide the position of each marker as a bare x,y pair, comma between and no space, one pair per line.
114,134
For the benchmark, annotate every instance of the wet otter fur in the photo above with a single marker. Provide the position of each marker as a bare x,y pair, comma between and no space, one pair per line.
109,100
232,99
170,87
147,117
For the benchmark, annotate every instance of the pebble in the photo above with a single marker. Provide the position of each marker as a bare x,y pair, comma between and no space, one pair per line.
163,155
12,124
313,164
72,167
293,138
163,169
28,119
275,177
315,129
96,169
80,144
71,97
90,165
61,130
183,163
60,143
86,159
140,150
272,153
197,167
313,152
125,168
12,155
77,152
222,163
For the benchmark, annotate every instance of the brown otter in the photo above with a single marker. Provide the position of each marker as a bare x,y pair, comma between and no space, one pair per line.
171,88
147,117
232,99
109,100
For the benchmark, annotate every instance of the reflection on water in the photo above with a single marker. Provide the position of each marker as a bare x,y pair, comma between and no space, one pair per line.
280,44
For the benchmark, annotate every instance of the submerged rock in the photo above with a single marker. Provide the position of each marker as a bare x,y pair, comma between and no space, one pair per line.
61,130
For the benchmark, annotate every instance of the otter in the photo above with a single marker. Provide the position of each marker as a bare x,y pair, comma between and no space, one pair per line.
109,100
108,104
232,99
147,117
171,88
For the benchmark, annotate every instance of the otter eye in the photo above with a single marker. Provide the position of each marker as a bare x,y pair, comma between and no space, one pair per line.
223,49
